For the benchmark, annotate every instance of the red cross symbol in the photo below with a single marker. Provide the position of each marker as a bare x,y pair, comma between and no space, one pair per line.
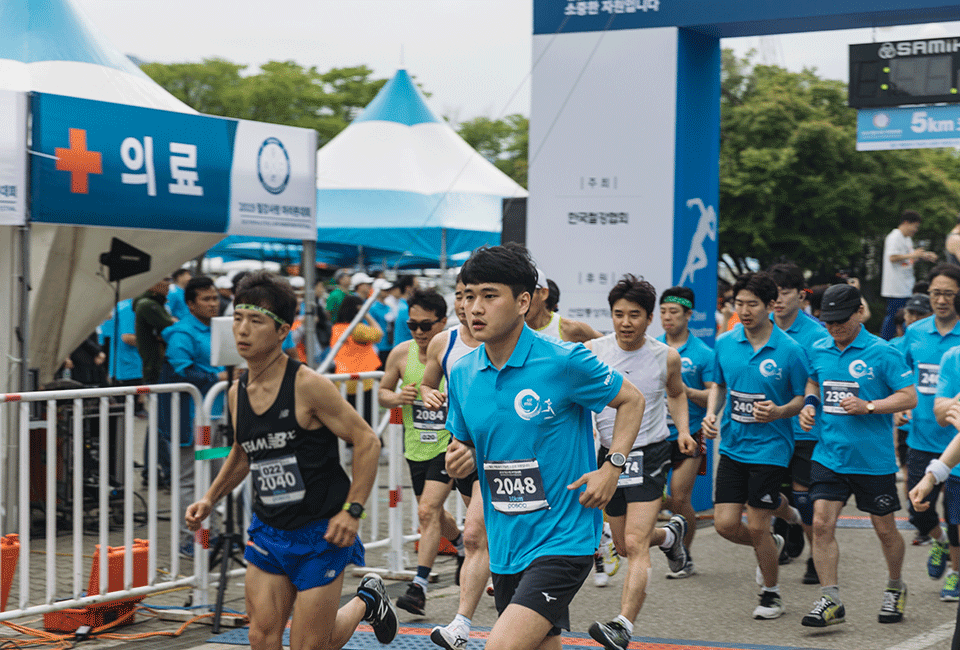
78,161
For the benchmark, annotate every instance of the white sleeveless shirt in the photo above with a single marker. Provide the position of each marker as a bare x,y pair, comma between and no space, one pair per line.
553,327
456,349
646,369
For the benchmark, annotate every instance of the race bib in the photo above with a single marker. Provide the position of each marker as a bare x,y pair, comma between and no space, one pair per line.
835,392
632,473
427,421
278,481
929,374
516,487
741,405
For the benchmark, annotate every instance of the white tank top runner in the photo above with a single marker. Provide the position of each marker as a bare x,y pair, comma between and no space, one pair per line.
456,349
553,327
646,369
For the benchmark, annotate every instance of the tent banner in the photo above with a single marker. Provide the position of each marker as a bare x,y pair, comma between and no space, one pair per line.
102,164
13,157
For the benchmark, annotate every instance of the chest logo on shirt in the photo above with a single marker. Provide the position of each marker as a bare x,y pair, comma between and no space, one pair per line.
858,368
769,369
276,440
528,405
686,365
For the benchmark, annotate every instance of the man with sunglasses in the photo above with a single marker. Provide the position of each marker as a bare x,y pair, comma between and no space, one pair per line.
924,345
864,380
425,438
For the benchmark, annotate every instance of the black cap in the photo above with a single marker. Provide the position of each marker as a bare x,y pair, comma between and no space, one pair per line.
919,303
840,302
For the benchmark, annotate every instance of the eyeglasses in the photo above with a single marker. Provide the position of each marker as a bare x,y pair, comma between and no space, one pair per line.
422,325
949,295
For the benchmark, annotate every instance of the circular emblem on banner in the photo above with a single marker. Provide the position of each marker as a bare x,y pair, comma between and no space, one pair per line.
887,51
527,404
881,120
273,166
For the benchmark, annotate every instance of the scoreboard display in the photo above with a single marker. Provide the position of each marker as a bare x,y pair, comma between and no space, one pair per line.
897,73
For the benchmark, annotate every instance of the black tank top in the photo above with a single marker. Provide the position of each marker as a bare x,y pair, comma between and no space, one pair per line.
297,477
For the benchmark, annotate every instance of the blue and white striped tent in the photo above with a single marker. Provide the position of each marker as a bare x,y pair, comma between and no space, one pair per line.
400,179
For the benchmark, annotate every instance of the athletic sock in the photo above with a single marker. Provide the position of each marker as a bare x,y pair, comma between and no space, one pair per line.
370,601
668,539
832,592
458,544
775,589
461,621
423,574
894,584
627,625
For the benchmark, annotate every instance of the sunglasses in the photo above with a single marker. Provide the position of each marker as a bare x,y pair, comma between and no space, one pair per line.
422,325
839,322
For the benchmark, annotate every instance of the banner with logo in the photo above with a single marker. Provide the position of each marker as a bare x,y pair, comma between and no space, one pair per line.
101,164
919,127
13,157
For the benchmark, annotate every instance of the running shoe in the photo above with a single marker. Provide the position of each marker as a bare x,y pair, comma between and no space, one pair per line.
951,588
922,540
894,602
779,541
414,600
611,559
600,578
677,553
612,635
771,606
688,570
490,590
382,616
451,637
811,577
937,560
826,611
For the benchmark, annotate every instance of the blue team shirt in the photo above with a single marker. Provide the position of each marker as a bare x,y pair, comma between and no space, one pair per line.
125,361
536,407
873,369
188,353
923,347
379,312
948,384
177,302
697,361
778,372
805,330
401,332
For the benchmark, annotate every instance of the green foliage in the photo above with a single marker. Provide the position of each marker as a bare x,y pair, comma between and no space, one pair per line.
280,92
502,142
793,186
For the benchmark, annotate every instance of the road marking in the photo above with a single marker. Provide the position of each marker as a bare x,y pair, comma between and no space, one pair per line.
926,639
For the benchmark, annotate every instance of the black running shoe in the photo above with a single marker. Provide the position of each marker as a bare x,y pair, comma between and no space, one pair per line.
677,553
811,577
414,600
894,602
383,616
612,635
826,611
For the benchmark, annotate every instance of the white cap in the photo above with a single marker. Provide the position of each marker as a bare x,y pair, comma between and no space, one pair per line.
382,284
360,278
223,282
541,279
298,283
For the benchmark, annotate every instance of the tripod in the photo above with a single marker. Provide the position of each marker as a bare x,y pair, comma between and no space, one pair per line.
230,544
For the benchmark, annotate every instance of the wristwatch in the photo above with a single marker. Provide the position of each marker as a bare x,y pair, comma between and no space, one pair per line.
871,407
354,509
616,459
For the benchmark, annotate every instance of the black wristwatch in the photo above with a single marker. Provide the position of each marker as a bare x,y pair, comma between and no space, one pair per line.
354,509
616,459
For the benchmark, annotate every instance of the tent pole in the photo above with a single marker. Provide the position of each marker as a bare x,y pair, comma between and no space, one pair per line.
308,263
443,251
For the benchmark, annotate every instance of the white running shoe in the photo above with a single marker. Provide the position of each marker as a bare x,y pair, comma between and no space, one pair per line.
451,637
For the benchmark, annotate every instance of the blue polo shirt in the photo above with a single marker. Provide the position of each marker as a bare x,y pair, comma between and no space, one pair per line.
125,363
177,302
778,372
948,384
537,406
697,361
188,353
923,347
872,369
805,330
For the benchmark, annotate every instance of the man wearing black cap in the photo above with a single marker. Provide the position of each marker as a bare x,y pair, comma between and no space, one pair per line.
863,381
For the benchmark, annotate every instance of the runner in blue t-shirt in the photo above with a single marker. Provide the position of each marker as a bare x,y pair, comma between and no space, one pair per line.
864,380
766,371
805,330
519,411
697,361
925,342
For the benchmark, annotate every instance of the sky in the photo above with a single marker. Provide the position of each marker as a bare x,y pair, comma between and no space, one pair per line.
472,56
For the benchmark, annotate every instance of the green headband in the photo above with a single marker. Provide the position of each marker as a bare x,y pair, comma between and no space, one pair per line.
680,301
263,310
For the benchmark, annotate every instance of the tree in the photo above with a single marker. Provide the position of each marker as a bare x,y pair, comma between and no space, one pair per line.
503,142
792,184
280,92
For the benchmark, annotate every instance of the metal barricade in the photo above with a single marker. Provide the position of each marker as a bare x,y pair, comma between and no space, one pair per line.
62,493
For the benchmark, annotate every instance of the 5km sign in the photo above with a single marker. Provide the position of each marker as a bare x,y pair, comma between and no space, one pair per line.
926,127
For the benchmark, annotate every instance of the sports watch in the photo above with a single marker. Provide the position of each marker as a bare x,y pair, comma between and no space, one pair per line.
871,406
616,459
354,509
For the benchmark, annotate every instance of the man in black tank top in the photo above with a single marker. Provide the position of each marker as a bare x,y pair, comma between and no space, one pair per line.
307,512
